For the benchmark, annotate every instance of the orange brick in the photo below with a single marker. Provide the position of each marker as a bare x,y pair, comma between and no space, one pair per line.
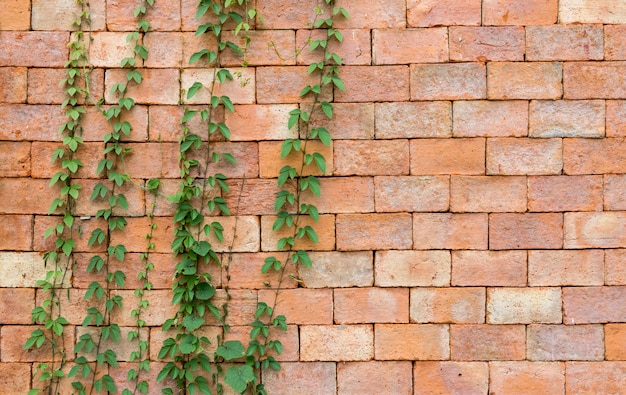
591,305
251,197
412,268
448,305
336,343
595,230
29,196
260,122
357,232
412,342
43,167
527,377
33,49
426,13
134,195
371,305
15,376
351,121
303,378
159,309
489,268
169,49
325,229
520,12
584,156
95,126
410,193
244,271
289,339
122,349
614,189
162,16
565,342
450,231
406,46
448,156
17,303
487,44
517,80
283,84
374,83
244,237
16,159
413,119
245,153
522,156
59,14
565,193
524,305
265,48
133,236
338,195
524,231
615,341
487,118
448,81
559,268
447,377
190,7
595,377
615,271
156,87
565,118
14,337
292,14
107,49
487,194
120,375
16,232
338,269
75,298
487,342
392,377
13,81
164,123
15,16
615,42
158,336
594,80
30,122
372,14
290,304
603,11
615,118
562,42
86,225
368,158
355,49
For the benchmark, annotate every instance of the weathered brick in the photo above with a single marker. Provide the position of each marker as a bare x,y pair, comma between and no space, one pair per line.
338,193
371,305
374,83
355,48
517,80
448,156
244,271
324,228
410,193
595,230
290,14
17,303
107,49
563,42
282,84
44,87
15,376
592,305
487,194
614,190
15,15
372,14
16,159
477,342
390,377
95,126
487,118
240,89
567,118
245,153
424,13
565,193
290,304
412,342
558,268
615,42
584,156
120,375
338,269
430,378
371,157
483,44
595,377
303,378
159,309
615,341
43,167
13,81
524,231
290,339
189,9
86,224
260,122
336,342
14,337
362,231
601,11
173,49
412,268
158,336
616,118
159,86
565,343
16,232
459,81
30,122
448,305
28,196
489,268
33,49
406,46
59,14
122,348
615,270
520,12
163,16
262,48
450,231
524,305
413,119
251,197
594,80
351,121
522,156
532,378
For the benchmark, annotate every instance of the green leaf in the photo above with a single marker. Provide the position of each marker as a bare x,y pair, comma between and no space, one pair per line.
238,377
194,89
198,55
192,323
205,291
230,350
327,108
188,344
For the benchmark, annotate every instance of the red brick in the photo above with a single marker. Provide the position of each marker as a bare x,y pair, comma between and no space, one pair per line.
565,193
372,14
615,341
44,87
43,167
595,377
59,14
355,49
522,156
291,304
406,46
562,42
410,193
13,81
594,80
565,343
368,158
107,49
559,268
260,122
357,232
615,270
14,337
75,298
33,49
338,195
602,11
30,122
412,342
15,376
303,378
351,121
614,189
585,156
16,232
264,48
291,14
448,305
374,83
448,156
615,42
413,119
487,44
156,87
162,16
86,225
487,342
412,268
134,195
431,378
532,378
486,118
16,159
615,118
524,231
15,15
487,194
517,80
448,81
595,230
450,231
520,12
524,305
371,305
591,305
338,270
283,84
426,13
565,118
244,271
17,303
336,343
393,377
324,227
489,268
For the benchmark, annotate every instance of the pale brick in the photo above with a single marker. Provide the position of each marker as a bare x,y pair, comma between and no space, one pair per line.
79,304
261,47
565,193
13,81
338,270
410,46
521,156
33,49
337,195
355,49
615,42
524,231
487,118
487,194
243,270
260,122
410,193
615,341
289,303
374,83
412,268
595,377
107,49
532,378
30,122
448,156
351,121
584,156
520,12
159,86
163,16
489,268
559,268
371,305
615,270
16,159
390,377
483,44
303,378
245,153
448,305
524,305
16,232
584,11
567,118
159,309
412,342
15,15
595,230
290,339
594,80
459,81
245,237
59,14
369,158
362,231
324,228
565,343
562,42
413,119
616,118
517,80
240,89
593,305
424,13
450,231
477,342
336,343
158,336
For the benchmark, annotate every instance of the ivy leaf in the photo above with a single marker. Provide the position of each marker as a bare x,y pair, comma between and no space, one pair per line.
327,108
192,323
205,291
238,377
230,350
194,89
188,344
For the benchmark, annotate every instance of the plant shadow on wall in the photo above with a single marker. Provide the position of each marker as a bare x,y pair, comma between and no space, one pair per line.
196,356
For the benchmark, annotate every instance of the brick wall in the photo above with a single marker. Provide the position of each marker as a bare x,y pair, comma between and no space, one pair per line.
473,227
